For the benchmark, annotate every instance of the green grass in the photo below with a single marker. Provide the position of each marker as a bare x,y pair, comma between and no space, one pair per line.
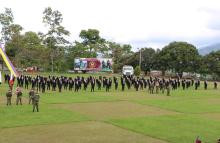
194,112
175,128
184,105
81,98
22,116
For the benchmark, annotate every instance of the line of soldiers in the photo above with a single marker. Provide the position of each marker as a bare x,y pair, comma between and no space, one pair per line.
154,85
52,83
33,97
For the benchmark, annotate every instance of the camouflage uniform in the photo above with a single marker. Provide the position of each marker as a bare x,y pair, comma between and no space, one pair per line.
157,87
9,95
168,89
31,95
19,96
163,87
35,100
151,88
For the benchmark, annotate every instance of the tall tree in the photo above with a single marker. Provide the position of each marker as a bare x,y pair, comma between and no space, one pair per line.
179,57
211,63
6,19
93,42
55,38
27,50
120,55
13,43
8,28
35,52
10,33
148,59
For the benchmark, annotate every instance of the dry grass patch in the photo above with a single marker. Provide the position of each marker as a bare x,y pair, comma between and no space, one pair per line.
142,95
214,101
82,132
2,100
110,110
215,116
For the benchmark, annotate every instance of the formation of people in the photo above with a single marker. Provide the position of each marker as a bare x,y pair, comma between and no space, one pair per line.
154,85
42,84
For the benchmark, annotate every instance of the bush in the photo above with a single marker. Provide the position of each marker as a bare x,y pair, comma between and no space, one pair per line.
137,71
117,68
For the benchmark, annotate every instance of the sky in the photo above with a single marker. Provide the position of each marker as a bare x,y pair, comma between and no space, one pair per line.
140,23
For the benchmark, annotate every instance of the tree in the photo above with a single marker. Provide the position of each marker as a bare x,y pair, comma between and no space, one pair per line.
9,29
211,63
27,50
137,71
179,57
148,59
10,33
54,39
34,52
120,55
13,46
133,59
93,42
6,19
32,40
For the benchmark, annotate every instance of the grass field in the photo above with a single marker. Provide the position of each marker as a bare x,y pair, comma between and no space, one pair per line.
124,117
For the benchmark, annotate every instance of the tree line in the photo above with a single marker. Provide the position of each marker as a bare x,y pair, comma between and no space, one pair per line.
51,51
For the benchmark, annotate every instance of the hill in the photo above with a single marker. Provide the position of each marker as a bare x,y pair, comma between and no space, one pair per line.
208,49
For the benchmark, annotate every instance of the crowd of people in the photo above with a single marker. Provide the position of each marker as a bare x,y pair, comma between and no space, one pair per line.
154,85
42,84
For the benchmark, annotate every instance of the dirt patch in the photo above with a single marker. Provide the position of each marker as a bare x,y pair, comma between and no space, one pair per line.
83,132
136,96
214,101
2,100
110,110
215,116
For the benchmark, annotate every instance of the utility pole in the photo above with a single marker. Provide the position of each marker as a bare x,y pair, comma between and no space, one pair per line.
52,63
52,56
140,58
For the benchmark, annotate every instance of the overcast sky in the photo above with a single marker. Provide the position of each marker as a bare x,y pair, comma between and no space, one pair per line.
141,23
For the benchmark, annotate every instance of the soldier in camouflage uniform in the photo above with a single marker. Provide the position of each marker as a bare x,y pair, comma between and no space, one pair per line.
152,87
163,86
168,88
31,95
157,87
35,100
19,96
9,95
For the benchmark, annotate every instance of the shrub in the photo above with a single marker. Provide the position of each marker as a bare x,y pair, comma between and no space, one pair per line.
137,71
